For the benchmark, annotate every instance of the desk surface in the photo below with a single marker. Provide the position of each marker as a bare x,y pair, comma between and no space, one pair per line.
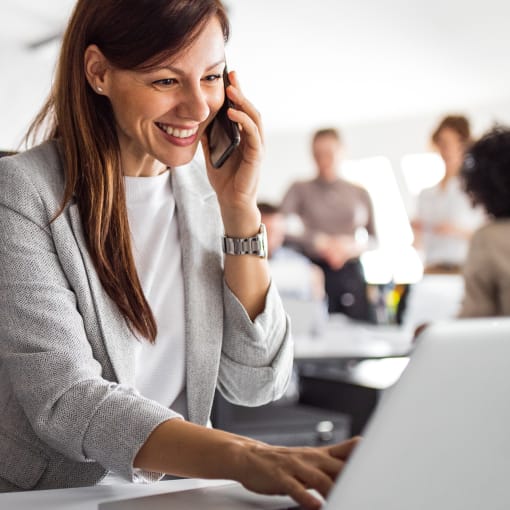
341,338
88,498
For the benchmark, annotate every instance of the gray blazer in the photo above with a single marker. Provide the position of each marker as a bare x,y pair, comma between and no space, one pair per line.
68,411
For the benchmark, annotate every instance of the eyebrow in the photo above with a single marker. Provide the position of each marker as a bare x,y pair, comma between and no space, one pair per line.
179,71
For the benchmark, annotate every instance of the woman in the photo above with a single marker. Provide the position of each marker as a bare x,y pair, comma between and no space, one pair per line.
486,175
120,315
445,218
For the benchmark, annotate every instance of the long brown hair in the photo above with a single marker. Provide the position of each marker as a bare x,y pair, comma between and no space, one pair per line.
132,34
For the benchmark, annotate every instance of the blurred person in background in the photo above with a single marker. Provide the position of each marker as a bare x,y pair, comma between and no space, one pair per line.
338,225
486,174
445,218
294,274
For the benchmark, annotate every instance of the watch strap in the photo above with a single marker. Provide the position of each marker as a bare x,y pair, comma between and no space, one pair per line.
256,245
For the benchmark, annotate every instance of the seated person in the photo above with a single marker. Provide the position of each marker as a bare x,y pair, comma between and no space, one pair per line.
486,174
294,275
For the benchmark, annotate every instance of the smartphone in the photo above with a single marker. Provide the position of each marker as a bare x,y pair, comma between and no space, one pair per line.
222,134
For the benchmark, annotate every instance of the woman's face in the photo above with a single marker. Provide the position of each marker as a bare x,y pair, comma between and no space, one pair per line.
451,147
162,114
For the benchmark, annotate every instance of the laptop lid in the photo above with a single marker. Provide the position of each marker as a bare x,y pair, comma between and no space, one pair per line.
440,438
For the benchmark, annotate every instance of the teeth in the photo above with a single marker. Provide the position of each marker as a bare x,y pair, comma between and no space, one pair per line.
178,133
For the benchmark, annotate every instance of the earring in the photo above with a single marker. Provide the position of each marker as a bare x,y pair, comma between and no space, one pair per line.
99,89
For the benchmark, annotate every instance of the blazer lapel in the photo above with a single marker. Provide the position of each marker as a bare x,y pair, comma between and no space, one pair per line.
118,339
200,231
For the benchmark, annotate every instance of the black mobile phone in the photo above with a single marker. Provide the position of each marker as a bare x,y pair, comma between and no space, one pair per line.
222,134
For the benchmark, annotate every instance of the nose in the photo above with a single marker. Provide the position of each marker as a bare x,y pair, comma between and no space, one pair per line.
194,105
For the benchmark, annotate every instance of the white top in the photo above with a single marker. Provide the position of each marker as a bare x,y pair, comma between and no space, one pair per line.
160,367
449,205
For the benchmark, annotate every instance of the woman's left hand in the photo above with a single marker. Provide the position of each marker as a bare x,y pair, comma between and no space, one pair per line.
236,182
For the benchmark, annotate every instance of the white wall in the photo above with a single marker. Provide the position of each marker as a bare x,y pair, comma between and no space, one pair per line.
24,86
288,153
26,79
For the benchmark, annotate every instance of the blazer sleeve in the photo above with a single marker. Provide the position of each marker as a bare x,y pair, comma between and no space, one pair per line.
480,289
257,356
45,351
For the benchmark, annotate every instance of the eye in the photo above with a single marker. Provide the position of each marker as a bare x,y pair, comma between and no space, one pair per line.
213,77
165,82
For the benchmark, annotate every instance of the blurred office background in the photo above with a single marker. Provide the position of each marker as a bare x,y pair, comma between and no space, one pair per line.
382,71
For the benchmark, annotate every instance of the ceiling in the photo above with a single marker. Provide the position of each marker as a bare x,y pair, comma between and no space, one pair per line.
330,61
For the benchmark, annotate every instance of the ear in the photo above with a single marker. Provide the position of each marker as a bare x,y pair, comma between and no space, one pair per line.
96,68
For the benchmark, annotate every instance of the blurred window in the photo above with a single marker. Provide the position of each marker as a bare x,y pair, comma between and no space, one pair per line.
394,259
422,171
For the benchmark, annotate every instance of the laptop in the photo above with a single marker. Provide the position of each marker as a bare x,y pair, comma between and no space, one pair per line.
439,439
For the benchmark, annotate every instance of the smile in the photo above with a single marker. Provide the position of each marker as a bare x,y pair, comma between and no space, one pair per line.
176,132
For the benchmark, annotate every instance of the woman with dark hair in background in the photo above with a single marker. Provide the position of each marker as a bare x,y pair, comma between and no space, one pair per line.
486,174
445,218
119,314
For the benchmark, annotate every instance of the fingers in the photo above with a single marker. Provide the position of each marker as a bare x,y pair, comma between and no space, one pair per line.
298,493
314,478
236,95
344,450
330,465
277,470
247,123
318,471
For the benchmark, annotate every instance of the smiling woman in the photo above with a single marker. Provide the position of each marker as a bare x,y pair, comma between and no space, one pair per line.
163,109
116,102
119,313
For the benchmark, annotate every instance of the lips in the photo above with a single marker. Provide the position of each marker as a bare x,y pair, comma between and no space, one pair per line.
181,133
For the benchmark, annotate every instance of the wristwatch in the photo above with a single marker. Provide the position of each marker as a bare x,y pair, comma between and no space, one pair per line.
256,245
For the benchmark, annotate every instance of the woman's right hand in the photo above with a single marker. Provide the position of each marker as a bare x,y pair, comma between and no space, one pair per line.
185,449
291,471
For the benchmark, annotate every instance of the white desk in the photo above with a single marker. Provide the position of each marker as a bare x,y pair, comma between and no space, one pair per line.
88,498
341,338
